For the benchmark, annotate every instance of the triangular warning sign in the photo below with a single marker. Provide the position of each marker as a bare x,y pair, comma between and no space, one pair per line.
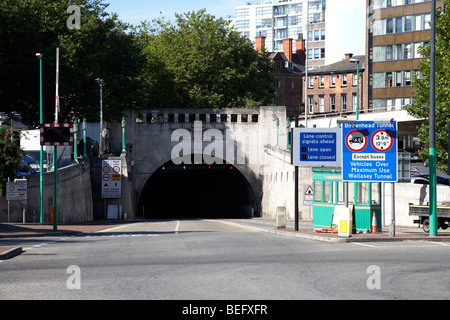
309,191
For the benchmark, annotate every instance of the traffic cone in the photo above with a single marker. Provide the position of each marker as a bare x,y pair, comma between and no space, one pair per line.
335,229
374,223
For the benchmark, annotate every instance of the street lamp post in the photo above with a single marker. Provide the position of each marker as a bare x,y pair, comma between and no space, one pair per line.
101,83
75,142
357,86
41,156
84,139
123,135
432,121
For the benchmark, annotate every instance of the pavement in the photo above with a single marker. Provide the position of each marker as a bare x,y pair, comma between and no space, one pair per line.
11,230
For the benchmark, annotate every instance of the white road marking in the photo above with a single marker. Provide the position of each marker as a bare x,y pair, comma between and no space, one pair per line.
441,243
363,244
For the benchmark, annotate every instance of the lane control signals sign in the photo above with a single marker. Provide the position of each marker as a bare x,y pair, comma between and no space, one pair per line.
369,151
316,147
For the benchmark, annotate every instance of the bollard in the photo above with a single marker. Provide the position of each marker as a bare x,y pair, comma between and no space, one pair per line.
281,217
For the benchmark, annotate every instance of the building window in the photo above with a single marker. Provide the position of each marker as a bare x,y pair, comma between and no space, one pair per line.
332,81
408,24
398,24
344,80
332,103
355,79
321,104
322,34
344,102
310,104
399,79
388,53
322,53
316,53
408,78
316,35
389,26
278,83
321,81
292,84
311,82
393,79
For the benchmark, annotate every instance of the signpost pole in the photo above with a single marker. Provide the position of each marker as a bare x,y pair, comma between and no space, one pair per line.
296,180
55,184
432,121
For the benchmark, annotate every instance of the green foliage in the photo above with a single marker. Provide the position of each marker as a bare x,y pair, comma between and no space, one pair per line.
201,62
11,155
420,105
101,48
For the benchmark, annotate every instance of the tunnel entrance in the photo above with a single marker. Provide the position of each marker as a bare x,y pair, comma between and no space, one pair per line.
197,191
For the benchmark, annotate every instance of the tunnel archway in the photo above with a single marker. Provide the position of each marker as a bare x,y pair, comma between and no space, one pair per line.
197,191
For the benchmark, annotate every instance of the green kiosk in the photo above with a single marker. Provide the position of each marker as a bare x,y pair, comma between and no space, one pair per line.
365,197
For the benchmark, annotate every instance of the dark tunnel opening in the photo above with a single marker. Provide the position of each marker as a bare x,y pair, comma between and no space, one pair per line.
197,191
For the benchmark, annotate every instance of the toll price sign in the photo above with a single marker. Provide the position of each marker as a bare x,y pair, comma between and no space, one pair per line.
369,151
111,179
316,147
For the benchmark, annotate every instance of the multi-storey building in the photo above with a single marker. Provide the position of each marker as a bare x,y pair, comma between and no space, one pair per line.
332,89
277,20
287,73
396,29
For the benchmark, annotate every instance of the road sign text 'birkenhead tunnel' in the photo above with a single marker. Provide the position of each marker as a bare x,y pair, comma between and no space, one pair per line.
369,151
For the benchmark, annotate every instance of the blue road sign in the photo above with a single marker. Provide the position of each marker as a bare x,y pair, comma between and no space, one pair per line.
369,151
316,147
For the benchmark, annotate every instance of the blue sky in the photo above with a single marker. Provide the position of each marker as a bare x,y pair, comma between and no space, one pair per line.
135,11
347,18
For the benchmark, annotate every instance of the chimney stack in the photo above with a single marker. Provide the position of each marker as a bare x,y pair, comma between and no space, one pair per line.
287,48
300,47
260,43
348,56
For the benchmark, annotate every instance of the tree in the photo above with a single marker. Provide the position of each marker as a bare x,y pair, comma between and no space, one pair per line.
420,106
201,62
103,47
11,155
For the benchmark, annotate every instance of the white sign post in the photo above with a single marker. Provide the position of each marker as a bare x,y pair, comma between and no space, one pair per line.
17,190
111,179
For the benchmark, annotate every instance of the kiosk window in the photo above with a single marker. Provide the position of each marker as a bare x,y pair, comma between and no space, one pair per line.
376,191
363,193
340,192
327,191
317,191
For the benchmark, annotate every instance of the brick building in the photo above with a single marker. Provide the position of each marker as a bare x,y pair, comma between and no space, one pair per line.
332,88
289,66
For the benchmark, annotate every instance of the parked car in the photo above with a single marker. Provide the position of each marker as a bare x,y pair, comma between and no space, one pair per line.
28,166
416,171
424,179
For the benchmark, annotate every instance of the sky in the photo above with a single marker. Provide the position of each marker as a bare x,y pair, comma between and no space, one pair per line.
347,18
135,11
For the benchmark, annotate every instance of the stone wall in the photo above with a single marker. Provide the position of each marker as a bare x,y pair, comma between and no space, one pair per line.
73,192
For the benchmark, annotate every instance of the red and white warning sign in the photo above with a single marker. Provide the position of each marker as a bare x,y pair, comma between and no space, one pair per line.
356,140
308,195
